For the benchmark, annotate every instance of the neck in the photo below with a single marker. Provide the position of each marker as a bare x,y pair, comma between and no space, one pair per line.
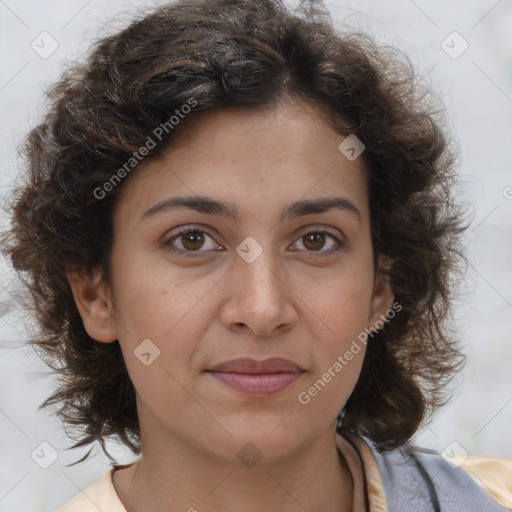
315,478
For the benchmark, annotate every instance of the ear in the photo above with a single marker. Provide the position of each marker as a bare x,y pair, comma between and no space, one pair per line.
93,300
383,297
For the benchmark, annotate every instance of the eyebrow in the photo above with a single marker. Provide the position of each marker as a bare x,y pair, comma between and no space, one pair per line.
212,206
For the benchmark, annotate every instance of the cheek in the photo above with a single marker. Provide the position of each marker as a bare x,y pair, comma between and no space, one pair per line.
166,308
338,354
341,306
341,313
158,339
153,299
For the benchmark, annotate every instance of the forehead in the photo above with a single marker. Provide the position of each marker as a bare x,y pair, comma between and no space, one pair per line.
251,158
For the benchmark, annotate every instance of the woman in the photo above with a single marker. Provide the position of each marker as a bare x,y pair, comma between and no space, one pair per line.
239,237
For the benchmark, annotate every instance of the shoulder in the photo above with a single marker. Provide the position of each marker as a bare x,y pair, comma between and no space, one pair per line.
415,479
493,474
100,495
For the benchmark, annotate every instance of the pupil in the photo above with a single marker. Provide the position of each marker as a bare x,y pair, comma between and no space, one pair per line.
315,238
194,237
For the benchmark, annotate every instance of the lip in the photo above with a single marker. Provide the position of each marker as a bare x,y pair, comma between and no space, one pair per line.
257,378
249,365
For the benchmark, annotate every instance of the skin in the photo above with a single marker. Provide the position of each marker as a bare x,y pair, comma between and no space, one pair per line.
290,302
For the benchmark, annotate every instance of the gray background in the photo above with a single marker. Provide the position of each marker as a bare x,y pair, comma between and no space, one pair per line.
477,90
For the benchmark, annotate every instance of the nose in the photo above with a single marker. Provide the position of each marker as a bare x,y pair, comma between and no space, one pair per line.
259,297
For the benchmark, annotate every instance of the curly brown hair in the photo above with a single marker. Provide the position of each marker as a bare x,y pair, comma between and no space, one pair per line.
244,54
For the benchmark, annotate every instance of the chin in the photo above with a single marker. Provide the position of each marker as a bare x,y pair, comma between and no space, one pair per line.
268,442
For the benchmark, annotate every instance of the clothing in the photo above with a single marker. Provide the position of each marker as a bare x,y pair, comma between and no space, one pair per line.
407,479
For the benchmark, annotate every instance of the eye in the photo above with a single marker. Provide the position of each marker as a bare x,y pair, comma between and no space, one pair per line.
314,241
195,240
190,240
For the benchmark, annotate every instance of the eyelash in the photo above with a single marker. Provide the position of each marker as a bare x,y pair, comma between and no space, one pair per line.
195,254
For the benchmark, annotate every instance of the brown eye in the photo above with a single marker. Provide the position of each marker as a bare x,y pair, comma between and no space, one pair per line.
322,242
192,240
314,241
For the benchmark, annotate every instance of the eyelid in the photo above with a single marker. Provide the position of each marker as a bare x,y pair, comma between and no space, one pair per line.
319,228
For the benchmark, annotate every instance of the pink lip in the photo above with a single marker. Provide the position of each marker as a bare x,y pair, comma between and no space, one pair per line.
257,378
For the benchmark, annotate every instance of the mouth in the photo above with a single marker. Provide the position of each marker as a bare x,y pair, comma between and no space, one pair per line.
257,378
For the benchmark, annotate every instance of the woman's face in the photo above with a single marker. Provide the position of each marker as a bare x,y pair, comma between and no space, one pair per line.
265,274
